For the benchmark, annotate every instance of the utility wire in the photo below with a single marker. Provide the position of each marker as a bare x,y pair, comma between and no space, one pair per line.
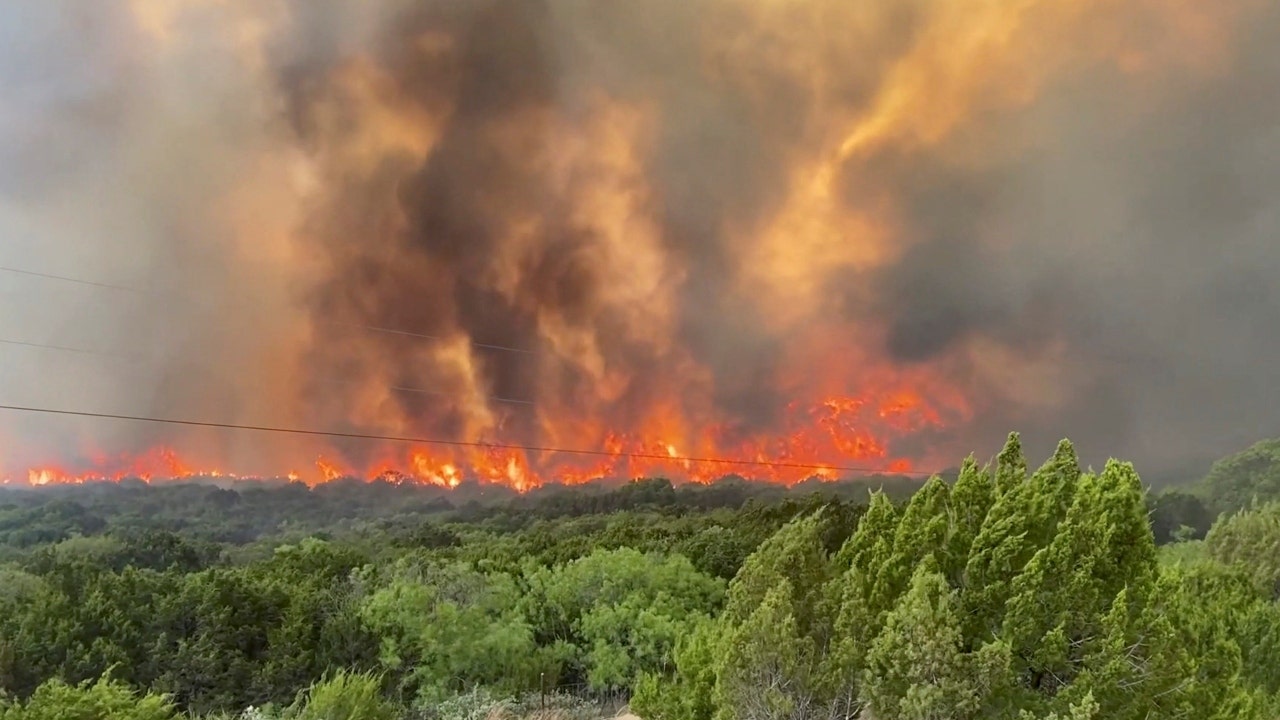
135,358
49,276
333,323
458,443
64,348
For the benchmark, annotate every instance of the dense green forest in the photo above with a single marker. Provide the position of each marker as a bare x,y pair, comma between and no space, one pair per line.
993,592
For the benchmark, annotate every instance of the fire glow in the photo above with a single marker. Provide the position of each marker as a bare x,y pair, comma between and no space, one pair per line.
837,433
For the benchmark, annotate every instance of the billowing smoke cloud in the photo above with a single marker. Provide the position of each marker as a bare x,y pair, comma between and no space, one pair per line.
144,156
810,231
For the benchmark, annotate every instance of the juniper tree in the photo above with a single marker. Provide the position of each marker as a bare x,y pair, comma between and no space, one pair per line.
971,500
917,669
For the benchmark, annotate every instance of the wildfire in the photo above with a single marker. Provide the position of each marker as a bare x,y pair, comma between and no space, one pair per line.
824,440
716,239
157,463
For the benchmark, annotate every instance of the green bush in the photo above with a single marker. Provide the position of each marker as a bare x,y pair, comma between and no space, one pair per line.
344,696
105,699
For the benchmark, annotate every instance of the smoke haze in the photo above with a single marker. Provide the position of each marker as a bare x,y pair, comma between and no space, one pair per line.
878,234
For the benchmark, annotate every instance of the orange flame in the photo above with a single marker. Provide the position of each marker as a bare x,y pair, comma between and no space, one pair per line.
837,437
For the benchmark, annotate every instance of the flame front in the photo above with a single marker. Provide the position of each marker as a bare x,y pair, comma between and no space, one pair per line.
838,437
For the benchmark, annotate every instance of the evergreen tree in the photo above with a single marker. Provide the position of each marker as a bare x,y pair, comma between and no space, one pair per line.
1250,539
1011,466
850,598
869,546
795,554
766,666
689,694
971,500
924,531
785,582
917,669
1052,491
1022,522
1087,709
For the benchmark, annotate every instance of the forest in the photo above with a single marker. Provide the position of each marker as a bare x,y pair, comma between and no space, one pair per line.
1000,590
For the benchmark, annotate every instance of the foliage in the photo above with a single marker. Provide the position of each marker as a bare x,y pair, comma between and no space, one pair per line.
917,668
104,699
1251,539
345,696
996,592
446,628
1237,481
618,612
1178,516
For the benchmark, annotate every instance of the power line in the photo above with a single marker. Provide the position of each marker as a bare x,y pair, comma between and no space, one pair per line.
457,443
134,358
334,323
64,348
49,276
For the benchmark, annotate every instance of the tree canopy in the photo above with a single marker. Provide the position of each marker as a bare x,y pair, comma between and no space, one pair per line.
1001,592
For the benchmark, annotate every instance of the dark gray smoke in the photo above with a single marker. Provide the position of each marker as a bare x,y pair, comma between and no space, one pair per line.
1141,234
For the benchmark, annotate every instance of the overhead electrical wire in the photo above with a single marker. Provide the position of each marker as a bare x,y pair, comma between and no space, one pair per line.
462,443
50,276
64,348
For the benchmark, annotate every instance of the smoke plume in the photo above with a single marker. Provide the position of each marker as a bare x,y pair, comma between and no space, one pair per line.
873,234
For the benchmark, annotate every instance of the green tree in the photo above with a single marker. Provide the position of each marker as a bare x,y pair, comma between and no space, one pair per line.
924,530
868,548
447,628
1011,466
1179,516
216,637
971,499
620,611
917,669
767,663
688,693
716,550
1022,521
1251,540
784,584
795,554
1135,668
1239,481
1086,709
850,596
1058,605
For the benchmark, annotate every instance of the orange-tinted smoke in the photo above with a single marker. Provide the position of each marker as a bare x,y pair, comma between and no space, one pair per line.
835,86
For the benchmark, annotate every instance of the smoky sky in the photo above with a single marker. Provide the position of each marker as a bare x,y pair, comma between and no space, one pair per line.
583,185
1143,237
